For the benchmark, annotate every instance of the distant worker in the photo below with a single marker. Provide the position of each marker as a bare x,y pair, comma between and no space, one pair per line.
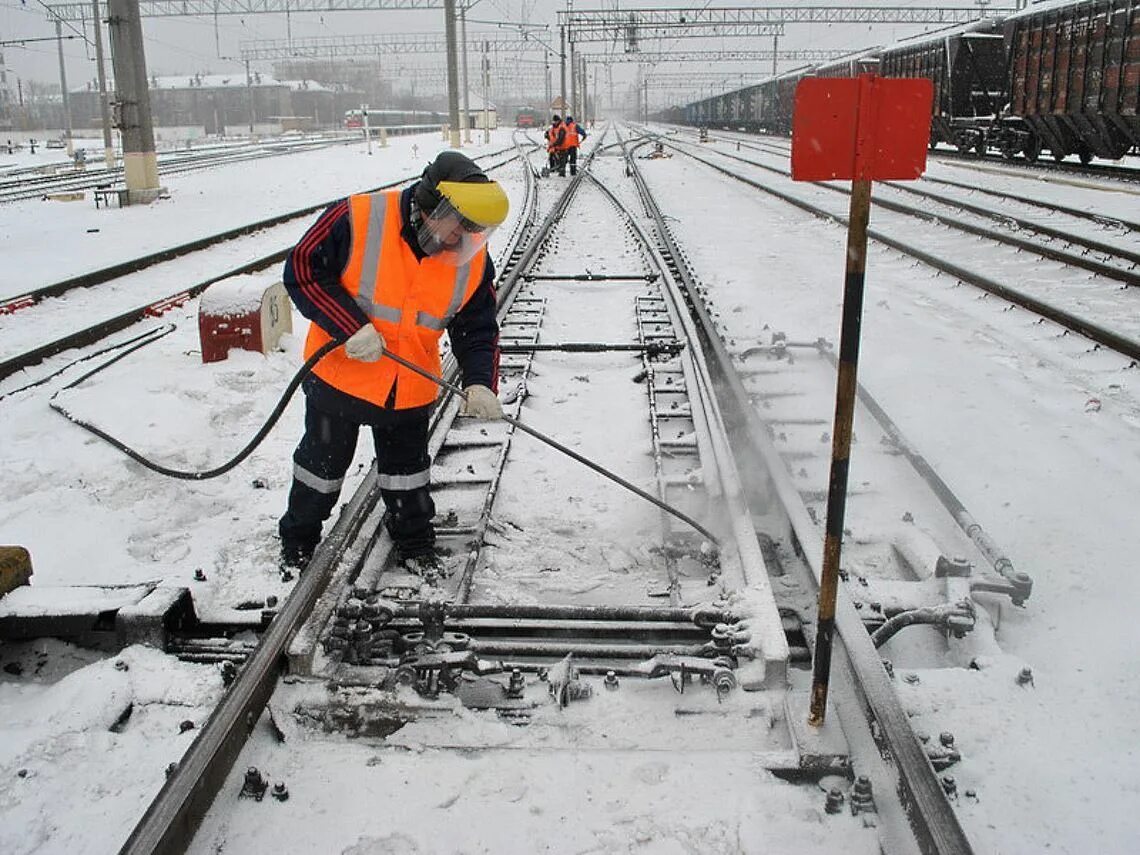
555,145
574,136
391,271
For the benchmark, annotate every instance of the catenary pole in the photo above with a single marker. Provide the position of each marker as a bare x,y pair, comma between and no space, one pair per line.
63,89
466,87
104,106
452,73
133,100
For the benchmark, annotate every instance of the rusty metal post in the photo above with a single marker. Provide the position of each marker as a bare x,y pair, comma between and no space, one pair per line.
846,386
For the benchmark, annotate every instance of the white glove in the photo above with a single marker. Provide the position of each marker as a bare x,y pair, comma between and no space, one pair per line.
365,345
482,403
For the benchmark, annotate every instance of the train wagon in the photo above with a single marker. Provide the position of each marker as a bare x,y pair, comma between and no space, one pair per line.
1074,75
528,117
778,102
852,65
968,68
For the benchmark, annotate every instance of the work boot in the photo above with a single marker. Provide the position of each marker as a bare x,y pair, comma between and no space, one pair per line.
296,554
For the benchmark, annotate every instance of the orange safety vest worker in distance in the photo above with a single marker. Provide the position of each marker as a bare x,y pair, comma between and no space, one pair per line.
552,137
571,135
409,301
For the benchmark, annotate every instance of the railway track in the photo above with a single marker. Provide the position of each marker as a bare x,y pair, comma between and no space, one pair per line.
1092,309
1128,174
39,186
1100,219
84,310
569,618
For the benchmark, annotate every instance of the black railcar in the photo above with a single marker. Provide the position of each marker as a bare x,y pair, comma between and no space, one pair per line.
1074,73
1064,77
968,69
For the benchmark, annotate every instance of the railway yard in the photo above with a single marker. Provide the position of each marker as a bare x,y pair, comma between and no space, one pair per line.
589,671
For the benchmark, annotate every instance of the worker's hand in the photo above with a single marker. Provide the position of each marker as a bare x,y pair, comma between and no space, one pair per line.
482,403
365,345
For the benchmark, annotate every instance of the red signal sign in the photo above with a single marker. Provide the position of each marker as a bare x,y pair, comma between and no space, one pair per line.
861,128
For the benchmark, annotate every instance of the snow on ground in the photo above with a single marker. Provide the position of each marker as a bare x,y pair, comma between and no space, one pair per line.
999,404
1002,407
201,204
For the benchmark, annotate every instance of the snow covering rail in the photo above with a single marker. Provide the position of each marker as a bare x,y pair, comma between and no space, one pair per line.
1102,219
32,188
97,332
1128,277
169,824
1094,332
114,271
856,665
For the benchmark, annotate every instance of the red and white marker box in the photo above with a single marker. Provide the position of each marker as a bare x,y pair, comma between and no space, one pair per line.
242,312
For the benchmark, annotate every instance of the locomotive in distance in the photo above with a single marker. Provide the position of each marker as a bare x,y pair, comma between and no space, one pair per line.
1063,78
354,119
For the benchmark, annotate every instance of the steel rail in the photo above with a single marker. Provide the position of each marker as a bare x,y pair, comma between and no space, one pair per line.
1094,216
1094,332
87,180
931,817
114,271
96,332
169,823
1108,271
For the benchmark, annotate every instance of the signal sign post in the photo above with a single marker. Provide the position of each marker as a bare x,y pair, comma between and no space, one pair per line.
862,128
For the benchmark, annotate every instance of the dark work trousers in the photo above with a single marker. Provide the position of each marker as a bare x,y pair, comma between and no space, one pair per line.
572,157
322,458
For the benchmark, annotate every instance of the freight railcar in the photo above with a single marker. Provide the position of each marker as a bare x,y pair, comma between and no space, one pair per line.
852,65
968,69
1074,77
1061,76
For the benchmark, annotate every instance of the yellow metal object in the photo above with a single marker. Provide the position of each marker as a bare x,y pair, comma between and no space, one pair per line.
15,568
483,203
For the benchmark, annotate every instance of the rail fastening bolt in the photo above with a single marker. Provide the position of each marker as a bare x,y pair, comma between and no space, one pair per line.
280,791
1025,676
611,681
834,802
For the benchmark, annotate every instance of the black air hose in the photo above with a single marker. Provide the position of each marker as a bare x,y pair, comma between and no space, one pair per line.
177,473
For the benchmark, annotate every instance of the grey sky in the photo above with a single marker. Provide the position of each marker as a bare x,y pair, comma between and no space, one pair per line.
183,45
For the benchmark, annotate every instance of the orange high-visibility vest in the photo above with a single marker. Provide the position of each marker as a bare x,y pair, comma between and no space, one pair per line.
571,135
551,135
410,303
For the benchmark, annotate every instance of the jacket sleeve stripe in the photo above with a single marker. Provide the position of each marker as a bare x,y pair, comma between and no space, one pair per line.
309,286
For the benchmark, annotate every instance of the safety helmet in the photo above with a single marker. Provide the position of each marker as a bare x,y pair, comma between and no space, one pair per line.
460,207
569,118
555,120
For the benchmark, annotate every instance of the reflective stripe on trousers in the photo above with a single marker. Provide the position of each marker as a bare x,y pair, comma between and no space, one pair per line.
404,482
316,482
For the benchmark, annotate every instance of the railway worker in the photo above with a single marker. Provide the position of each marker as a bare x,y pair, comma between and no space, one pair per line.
555,145
574,136
391,271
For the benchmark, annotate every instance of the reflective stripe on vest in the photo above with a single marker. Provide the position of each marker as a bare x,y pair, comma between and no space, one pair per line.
410,302
369,297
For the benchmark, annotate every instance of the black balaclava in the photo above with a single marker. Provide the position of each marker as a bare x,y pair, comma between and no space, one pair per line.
448,166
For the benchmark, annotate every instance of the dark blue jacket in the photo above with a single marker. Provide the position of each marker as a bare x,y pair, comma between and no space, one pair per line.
312,278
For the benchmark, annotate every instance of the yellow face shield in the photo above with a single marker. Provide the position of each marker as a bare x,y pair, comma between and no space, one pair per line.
463,221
